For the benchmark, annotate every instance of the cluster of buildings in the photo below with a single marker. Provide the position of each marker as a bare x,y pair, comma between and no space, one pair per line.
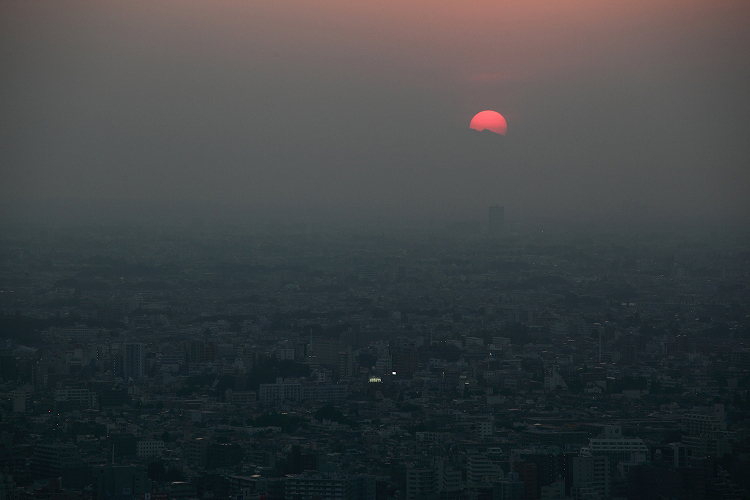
155,364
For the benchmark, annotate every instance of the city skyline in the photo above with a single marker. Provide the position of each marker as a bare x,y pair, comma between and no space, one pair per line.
374,250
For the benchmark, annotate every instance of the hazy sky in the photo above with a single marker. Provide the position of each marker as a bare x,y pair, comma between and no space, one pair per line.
614,107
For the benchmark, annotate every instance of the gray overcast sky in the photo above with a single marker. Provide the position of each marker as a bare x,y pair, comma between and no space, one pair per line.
619,107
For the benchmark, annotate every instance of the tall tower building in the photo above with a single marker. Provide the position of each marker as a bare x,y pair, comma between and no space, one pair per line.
406,359
134,360
495,220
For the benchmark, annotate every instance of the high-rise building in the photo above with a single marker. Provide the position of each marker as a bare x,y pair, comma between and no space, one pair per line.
49,460
622,453
325,351
555,491
551,465
196,352
449,481
195,452
117,480
590,473
495,220
510,488
437,481
133,360
421,483
704,431
527,473
8,489
59,460
704,420
347,363
405,359
481,470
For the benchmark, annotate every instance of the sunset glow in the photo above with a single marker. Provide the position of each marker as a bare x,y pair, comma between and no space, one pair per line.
292,103
489,120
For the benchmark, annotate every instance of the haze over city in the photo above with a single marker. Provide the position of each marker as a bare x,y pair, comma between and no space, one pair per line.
374,250
617,111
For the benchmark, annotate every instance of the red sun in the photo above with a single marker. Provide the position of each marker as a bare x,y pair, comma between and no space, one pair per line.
489,120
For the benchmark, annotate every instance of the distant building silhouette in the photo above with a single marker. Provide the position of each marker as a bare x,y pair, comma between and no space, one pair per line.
405,359
133,360
325,351
496,220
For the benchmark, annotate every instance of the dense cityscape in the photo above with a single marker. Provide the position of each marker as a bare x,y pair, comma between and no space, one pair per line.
468,360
